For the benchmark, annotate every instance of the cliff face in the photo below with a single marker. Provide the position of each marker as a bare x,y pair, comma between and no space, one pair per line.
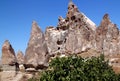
73,34
77,33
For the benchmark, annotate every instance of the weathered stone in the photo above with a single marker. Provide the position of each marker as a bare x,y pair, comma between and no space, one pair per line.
74,34
77,19
107,37
20,57
8,54
55,40
21,68
36,52
81,30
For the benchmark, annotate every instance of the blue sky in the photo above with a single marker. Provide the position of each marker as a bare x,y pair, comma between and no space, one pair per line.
16,16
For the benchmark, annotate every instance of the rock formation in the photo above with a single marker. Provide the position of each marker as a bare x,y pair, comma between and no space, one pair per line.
74,34
36,53
20,57
8,54
77,33
55,40
107,37
81,30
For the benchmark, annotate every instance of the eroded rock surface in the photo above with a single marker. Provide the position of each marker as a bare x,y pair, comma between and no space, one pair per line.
74,34
8,54
20,57
107,35
36,53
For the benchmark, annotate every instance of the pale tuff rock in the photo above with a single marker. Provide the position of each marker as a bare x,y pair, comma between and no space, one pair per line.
8,54
76,33
20,57
107,37
73,34
55,40
36,53
77,18
81,30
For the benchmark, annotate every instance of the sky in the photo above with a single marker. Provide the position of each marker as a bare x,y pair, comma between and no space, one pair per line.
16,16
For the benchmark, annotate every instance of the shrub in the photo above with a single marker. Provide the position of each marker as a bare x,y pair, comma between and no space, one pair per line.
74,68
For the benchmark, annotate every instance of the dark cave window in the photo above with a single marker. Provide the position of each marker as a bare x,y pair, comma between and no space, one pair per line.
79,19
66,20
65,40
73,6
73,18
58,48
64,28
59,42
57,28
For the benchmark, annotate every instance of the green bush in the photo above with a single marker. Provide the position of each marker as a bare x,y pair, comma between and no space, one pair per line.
75,68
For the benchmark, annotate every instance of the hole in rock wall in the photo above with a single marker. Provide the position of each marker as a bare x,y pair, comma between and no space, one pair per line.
58,48
73,6
59,42
79,19
57,28
73,18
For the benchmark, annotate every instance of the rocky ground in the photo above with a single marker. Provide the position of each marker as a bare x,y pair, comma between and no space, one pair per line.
13,76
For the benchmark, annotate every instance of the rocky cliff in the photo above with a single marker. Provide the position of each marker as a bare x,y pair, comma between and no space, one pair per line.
77,33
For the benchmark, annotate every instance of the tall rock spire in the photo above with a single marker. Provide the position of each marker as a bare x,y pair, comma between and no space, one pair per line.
36,52
8,54
20,57
35,29
107,36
